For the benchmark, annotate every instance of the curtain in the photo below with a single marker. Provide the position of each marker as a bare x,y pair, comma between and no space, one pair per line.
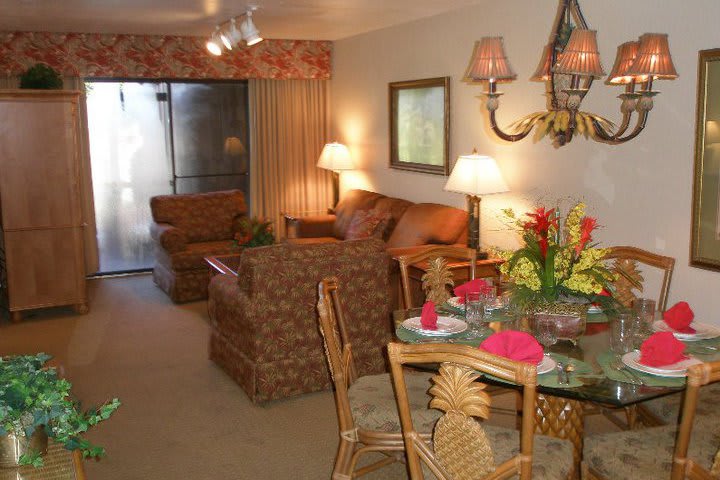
86,191
289,126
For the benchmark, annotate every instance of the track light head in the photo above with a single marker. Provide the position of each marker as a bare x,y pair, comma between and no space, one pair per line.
249,31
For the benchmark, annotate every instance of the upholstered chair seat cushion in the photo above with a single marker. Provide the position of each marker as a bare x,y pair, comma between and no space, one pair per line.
552,457
667,408
373,402
647,453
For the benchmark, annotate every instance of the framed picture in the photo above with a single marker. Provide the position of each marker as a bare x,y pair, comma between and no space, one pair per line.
420,125
705,247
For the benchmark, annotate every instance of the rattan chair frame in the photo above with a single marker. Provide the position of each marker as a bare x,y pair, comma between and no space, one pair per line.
417,447
443,251
683,467
354,441
667,264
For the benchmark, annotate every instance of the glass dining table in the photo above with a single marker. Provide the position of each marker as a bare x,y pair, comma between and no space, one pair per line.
597,379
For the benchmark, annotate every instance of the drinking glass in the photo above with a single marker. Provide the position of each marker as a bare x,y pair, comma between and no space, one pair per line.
489,298
475,311
546,332
622,334
644,310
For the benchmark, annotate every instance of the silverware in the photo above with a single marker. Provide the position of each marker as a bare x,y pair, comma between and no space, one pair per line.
569,368
560,372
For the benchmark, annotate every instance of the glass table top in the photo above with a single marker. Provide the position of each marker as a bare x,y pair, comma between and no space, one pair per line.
591,348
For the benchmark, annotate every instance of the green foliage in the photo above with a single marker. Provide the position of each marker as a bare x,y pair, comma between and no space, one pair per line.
42,77
255,232
32,396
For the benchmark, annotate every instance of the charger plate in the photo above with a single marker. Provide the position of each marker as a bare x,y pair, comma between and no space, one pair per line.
679,369
445,326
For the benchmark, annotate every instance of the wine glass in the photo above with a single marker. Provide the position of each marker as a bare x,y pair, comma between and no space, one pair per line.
546,333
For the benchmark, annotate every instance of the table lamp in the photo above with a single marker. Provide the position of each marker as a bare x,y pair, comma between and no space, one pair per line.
335,157
475,175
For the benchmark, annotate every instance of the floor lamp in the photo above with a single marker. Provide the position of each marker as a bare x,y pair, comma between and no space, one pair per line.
335,157
475,175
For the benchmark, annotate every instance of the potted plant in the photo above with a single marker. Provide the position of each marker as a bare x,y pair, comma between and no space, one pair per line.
41,77
254,232
35,404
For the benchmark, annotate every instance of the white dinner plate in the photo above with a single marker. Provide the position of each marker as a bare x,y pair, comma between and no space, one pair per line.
456,302
703,331
445,326
546,365
679,369
594,309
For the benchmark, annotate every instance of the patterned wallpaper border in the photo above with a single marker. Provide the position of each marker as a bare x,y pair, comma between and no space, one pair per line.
149,56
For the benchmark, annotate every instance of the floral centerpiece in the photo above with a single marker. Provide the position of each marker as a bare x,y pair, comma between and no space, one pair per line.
36,403
556,265
255,232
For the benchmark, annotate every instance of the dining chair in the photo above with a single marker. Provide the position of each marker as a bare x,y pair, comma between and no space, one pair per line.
438,276
367,416
463,447
647,453
630,279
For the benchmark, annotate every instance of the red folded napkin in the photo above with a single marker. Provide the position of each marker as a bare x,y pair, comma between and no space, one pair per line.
476,285
518,346
428,317
679,317
660,349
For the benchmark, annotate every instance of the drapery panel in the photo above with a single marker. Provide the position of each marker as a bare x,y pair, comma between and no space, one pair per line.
290,125
92,263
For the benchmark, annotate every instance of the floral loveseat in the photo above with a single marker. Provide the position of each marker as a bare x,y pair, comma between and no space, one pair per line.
186,229
264,327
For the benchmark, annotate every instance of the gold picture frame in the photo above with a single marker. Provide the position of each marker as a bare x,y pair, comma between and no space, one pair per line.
705,243
420,125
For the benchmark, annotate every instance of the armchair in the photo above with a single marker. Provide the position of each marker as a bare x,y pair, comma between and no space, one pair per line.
264,329
186,229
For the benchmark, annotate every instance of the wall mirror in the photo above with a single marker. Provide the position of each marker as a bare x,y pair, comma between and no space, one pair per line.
705,247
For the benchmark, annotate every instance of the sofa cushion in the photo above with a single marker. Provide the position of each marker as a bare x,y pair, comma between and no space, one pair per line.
193,257
351,202
202,216
427,223
366,224
396,208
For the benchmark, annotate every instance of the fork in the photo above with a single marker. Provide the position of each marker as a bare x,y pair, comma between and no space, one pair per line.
615,364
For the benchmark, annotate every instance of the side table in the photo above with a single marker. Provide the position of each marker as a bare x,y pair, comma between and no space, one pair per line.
460,270
223,264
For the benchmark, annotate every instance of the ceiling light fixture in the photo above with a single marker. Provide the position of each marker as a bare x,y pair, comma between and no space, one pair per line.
569,64
228,35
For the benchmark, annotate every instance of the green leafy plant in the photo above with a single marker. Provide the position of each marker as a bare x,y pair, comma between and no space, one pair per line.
42,77
33,396
255,232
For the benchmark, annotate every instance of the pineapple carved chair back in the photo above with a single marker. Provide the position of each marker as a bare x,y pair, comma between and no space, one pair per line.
460,448
630,280
438,277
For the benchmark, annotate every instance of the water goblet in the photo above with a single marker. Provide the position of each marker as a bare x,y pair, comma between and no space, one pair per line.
474,312
623,331
546,333
644,309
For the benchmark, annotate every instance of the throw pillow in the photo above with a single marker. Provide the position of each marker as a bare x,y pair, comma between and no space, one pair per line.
367,223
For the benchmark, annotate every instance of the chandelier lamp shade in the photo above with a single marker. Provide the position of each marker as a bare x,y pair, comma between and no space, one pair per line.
569,64
230,34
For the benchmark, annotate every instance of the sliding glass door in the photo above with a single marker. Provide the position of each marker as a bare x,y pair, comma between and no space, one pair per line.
155,138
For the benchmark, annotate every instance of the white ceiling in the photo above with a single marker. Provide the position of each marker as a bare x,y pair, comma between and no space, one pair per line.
286,19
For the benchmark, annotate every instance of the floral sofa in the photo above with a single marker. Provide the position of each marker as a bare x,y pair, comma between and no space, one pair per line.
186,229
264,327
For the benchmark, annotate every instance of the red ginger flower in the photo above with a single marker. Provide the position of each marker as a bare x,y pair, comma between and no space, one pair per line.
587,225
542,221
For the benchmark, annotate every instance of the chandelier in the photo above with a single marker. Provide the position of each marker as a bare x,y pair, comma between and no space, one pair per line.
569,64
229,35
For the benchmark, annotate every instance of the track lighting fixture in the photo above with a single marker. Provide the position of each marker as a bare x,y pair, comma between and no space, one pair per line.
228,35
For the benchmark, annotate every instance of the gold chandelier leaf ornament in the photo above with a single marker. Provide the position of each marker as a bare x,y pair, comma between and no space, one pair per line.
569,64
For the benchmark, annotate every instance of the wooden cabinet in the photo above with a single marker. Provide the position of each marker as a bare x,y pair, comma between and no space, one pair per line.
40,210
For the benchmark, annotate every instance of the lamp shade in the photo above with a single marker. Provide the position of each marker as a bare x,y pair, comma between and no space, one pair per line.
476,175
544,69
581,56
335,156
626,54
489,62
653,57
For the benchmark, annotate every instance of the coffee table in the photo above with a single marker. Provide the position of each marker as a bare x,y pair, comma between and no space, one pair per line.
223,264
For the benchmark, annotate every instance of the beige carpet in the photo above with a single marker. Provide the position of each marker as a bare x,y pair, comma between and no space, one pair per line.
181,417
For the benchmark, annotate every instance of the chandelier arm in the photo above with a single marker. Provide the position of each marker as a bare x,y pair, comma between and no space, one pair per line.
616,139
506,136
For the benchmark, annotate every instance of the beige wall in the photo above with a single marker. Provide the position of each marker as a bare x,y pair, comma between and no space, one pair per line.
640,191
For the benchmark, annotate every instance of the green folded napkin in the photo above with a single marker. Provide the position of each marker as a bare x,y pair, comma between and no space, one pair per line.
550,379
408,336
605,359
